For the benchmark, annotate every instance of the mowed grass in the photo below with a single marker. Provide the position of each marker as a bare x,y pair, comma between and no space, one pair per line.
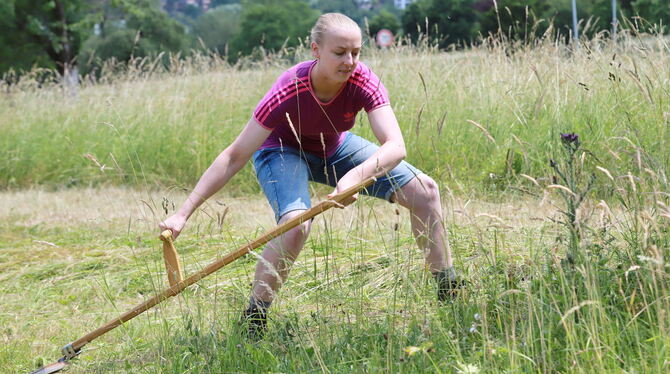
359,296
88,177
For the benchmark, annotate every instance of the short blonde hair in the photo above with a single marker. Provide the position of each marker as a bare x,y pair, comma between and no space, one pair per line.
328,20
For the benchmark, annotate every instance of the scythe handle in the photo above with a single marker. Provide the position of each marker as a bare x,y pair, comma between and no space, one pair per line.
340,200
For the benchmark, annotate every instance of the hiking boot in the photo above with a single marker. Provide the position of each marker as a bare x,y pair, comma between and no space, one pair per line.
254,324
449,283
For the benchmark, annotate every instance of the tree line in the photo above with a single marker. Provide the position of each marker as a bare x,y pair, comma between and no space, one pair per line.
80,35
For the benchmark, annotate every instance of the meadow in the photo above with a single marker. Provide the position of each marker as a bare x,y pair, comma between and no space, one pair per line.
565,244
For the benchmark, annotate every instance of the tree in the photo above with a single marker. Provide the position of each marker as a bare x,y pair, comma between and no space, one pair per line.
383,20
217,3
515,18
456,21
17,50
348,7
140,29
192,11
119,44
414,19
655,12
591,13
217,27
272,24
154,25
44,33
448,22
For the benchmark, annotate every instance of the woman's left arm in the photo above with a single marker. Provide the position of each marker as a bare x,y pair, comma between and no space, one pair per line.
388,156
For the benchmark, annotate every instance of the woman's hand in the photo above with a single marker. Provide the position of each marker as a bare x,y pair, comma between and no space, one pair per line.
224,167
342,185
390,153
174,223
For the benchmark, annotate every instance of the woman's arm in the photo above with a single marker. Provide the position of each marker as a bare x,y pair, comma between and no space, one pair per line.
388,156
224,167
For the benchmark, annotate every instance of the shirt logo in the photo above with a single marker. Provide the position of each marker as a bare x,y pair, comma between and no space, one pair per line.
349,116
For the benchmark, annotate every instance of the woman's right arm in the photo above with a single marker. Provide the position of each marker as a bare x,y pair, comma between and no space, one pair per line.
224,167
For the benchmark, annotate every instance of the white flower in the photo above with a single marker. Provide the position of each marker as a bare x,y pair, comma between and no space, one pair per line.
467,369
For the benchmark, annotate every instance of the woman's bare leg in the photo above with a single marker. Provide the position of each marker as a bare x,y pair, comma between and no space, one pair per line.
273,267
422,197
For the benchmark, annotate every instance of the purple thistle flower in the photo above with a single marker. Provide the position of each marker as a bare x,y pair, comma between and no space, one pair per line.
569,138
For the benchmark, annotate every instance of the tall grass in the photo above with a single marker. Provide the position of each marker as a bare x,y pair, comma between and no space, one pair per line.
463,113
359,299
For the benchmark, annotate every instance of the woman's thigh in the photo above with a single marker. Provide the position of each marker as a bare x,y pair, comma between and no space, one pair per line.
353,152
283,175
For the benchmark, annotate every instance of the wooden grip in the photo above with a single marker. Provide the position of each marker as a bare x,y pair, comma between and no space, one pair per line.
172,264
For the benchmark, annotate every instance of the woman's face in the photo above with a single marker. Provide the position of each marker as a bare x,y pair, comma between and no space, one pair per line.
338,53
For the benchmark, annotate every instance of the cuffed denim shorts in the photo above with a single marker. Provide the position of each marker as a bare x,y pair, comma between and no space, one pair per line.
283,173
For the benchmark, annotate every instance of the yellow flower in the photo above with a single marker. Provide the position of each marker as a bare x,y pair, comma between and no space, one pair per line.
411,350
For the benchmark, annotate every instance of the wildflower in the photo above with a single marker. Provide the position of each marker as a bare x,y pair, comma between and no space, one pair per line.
467,369
569,138
478,316
426,347
411,350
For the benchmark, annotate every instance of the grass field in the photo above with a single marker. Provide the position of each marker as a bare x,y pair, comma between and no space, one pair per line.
564,275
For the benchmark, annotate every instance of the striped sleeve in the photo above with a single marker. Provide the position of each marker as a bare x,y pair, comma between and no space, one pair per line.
284,89
374,92
263,111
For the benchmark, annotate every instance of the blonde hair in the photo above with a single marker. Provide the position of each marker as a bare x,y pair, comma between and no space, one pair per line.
328,20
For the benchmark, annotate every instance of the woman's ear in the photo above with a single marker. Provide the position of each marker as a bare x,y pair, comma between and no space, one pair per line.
315,50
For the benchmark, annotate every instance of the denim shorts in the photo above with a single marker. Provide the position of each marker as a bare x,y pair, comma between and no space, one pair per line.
283,173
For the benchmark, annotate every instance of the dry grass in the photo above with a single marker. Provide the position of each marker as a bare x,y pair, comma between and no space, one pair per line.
113,207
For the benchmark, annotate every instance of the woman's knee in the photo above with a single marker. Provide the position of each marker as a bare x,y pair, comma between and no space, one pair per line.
430,191
421,192
295,238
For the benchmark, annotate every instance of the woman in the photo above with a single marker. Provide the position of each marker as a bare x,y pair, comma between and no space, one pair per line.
298,132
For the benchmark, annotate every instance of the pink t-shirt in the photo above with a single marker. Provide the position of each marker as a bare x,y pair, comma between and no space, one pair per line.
318,127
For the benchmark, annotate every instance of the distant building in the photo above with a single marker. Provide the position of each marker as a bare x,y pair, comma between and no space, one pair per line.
364,4
202,4
179,5
402,4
